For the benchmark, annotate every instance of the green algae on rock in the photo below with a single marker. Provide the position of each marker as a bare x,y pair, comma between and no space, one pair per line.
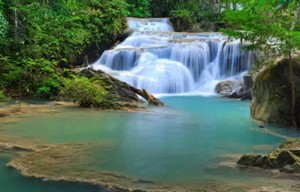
272,94
62,163
285,158
118,94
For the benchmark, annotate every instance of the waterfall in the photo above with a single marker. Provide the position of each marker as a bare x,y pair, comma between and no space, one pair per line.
162,61
160,24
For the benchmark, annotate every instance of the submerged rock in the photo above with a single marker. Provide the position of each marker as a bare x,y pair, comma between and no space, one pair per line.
236,89
272,98
286,158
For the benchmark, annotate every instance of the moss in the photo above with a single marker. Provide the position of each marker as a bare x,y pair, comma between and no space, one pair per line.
285,158
265,75
272,94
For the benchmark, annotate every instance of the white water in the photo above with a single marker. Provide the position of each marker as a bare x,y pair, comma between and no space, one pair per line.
164,62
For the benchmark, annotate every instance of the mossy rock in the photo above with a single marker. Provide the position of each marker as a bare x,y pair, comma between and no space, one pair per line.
248,159
272,95
284,158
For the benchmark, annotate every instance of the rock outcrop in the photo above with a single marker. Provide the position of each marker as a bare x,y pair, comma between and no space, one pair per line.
121,93
236,89
272,96
285,158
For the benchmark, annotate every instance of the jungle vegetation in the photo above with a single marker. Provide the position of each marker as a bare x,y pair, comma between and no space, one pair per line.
40,40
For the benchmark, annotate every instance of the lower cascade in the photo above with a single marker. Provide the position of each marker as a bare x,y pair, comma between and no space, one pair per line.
162,61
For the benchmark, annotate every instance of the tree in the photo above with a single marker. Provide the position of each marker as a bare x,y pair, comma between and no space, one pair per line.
138,8
269,26
38,36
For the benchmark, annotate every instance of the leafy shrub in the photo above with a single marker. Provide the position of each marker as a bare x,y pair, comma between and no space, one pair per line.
138,8
83,91
3,25
2,96
3,28
61,30
29,77
162,8
185,16
195,16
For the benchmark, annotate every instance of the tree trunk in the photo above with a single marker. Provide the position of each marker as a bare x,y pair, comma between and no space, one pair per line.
296,16
291,74
294,123
234,6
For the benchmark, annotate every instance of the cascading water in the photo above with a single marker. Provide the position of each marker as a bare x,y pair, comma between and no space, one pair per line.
162,61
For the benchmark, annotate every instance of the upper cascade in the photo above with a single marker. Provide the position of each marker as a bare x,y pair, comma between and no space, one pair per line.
162,61
150,24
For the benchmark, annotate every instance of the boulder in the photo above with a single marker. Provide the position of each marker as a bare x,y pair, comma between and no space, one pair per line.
236,89
285,158
296,167
252,160
272,98
228,87
249,159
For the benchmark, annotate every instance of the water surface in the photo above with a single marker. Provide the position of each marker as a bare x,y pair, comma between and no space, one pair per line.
182,143
12,181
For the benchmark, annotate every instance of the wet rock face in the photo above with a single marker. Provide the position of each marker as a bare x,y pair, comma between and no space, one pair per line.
236,89
228,87
125,34
272,97
286,158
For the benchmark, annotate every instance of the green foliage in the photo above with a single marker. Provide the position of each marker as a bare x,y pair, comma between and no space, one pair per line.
29,77
38,36
62,30
85,92
185,15
138,8
2,96
270,26
195,16
162,8
3,28
265,26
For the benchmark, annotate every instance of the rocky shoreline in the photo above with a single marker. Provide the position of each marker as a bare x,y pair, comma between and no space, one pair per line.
286,158
56,163
49,163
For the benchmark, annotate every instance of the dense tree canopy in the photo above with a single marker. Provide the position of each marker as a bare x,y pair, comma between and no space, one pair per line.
37,38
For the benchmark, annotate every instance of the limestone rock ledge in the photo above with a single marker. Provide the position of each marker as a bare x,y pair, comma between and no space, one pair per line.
286,158
272,100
